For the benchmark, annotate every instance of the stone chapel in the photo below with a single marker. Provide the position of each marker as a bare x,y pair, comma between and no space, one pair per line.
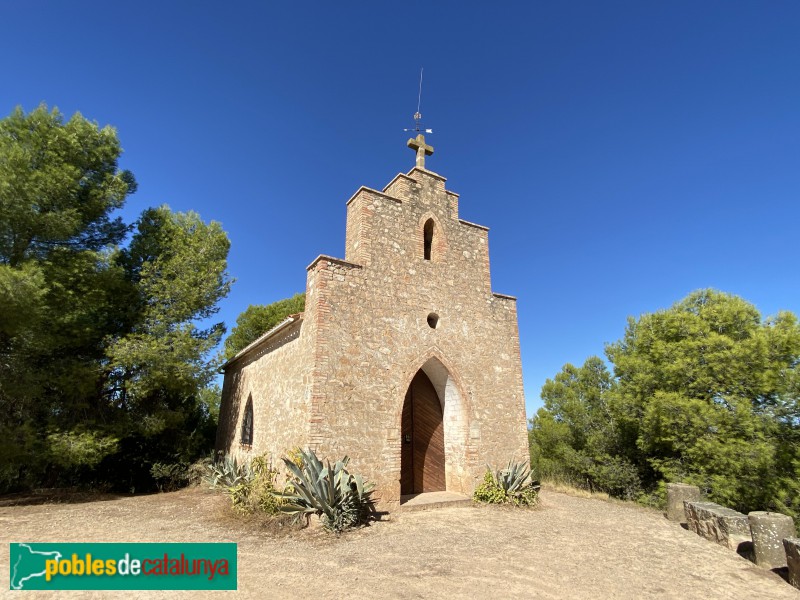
404,359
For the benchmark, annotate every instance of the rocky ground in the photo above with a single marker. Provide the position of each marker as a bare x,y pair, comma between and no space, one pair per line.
568,548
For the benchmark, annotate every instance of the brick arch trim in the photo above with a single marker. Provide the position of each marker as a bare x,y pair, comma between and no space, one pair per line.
457,416
412,371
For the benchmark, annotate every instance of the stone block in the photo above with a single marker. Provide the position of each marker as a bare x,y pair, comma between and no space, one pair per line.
690,514
719,524
698,517
677,494
791,545
769,530
732,529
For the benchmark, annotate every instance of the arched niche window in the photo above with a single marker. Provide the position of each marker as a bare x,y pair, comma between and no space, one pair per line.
247,423
427,233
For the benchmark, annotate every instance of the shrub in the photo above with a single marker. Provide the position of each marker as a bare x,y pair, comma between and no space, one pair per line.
264,494
340,498
488,491
511,485
170,476
130,468
198,470
258,492
616,476
250,485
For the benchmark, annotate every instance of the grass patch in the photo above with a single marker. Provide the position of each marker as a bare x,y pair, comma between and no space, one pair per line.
571,490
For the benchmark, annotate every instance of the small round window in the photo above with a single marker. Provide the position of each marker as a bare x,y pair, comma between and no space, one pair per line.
433,320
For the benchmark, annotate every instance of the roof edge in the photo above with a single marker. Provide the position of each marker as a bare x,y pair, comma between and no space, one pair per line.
297,317
395,178
504,296
470,224
332,259
364,188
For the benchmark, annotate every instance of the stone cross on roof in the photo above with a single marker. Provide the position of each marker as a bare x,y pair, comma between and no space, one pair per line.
421,148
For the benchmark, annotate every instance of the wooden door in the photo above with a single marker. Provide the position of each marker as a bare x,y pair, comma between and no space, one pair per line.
422,454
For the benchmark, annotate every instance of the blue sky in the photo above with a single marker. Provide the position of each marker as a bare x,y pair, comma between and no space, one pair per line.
623,154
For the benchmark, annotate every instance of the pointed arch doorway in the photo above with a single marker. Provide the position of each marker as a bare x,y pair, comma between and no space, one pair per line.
422,459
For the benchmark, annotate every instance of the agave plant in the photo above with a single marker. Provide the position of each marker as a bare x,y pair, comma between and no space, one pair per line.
228,473
511,485
340,498
512,479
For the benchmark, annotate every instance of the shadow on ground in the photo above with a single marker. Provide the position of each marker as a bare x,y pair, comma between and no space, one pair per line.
59,496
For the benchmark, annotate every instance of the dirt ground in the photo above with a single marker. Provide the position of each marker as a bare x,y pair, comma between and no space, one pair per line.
568,548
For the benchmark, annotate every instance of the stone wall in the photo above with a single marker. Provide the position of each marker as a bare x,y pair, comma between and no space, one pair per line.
765,538
276,374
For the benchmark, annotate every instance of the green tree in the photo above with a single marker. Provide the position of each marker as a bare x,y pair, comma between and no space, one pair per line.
59,183
704,392
177,264
160,368
104,351
257,319
578,437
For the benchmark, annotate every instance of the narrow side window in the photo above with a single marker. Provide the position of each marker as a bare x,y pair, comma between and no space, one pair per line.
428,237
247,423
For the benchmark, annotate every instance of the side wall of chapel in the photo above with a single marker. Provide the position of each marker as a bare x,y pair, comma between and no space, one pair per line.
276,376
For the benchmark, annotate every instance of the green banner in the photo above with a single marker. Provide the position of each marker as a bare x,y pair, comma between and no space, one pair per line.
86,566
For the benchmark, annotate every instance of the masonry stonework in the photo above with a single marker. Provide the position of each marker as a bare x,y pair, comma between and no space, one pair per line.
335,378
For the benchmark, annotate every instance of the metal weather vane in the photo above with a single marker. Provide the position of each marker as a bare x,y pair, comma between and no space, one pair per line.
418,143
